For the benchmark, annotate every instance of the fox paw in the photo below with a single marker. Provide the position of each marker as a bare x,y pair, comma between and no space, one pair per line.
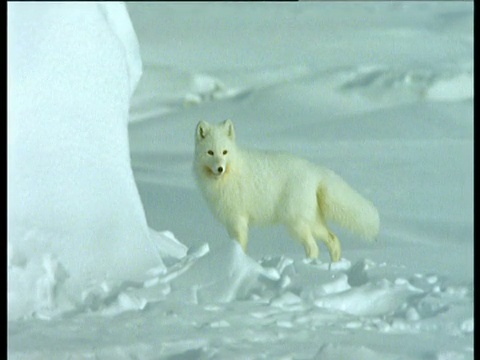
335,254
334,248
311,251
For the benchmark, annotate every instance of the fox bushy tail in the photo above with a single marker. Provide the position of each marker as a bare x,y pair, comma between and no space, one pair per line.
341,204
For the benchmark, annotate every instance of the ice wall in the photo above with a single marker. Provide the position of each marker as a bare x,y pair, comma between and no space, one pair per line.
75,219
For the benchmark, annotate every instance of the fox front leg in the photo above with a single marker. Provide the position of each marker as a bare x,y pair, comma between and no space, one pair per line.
238,230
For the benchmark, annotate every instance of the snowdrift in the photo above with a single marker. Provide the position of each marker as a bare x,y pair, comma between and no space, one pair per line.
75,218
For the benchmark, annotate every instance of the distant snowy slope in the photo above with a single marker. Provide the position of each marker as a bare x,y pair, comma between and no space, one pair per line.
330,34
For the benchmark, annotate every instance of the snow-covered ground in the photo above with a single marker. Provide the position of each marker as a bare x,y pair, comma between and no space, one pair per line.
380,92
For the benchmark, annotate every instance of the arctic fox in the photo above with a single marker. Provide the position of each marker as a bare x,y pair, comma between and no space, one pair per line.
248,187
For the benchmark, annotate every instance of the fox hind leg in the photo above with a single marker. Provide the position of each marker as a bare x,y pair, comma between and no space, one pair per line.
334,247
330,239
302,232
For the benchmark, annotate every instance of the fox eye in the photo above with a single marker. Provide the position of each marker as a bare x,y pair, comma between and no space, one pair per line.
225,152
210,152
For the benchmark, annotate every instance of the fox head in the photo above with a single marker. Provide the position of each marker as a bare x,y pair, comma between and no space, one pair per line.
214,147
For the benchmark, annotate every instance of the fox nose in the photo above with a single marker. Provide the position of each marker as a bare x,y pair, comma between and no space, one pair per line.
220,169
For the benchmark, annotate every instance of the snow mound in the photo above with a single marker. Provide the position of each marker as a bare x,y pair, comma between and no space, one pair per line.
74,214
350,352
369,300
223,275
163,89
457,87
385,84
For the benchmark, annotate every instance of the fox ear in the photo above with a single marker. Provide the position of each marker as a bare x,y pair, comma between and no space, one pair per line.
202,129
228,126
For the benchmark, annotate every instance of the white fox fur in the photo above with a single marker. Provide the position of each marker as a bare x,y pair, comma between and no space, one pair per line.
247,187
